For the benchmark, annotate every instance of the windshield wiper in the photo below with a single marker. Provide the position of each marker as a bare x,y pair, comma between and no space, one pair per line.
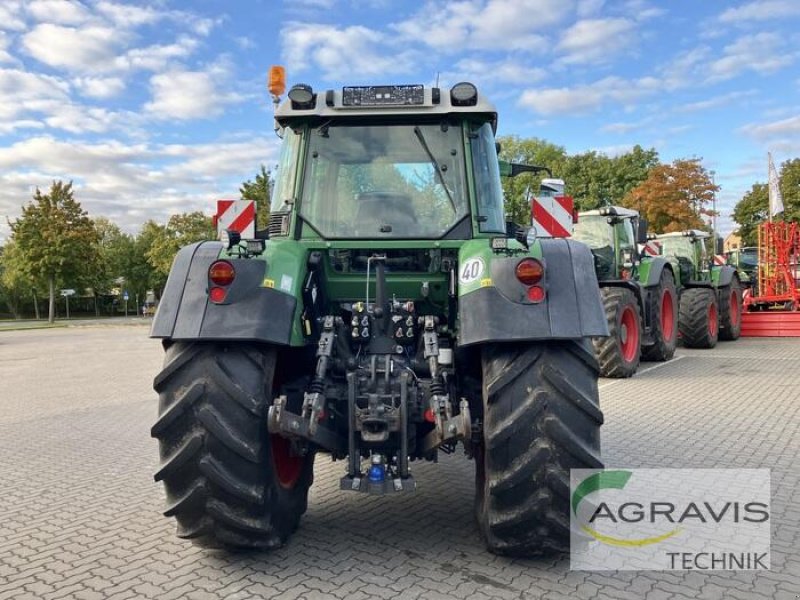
424,144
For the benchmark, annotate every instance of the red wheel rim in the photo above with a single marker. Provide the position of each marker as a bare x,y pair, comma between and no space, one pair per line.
712,319
735,316
667,316
629,334
287,467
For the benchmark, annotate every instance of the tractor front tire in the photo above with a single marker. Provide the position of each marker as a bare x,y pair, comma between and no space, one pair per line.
541,418
730,311
699,322
663,306
229,483
620,352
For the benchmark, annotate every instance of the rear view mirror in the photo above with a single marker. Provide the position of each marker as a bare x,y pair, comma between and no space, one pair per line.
720,245
641,231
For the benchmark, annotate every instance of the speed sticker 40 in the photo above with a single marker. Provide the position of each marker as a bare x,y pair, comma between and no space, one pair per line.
471,270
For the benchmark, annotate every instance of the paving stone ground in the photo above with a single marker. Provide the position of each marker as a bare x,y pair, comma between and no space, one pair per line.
80,513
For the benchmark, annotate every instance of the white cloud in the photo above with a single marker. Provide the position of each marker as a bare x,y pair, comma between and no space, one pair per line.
586,98
130,15
623,128
5,55
92,48
26,93
761,52
156,57
784,127
11,12
188,95
716,101
130,183
62,12
342,53
589,8
502,71
101,88
489,25
596,40
763,10
686,68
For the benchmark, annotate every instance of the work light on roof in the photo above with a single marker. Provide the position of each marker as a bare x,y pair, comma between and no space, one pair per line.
464,94
301,95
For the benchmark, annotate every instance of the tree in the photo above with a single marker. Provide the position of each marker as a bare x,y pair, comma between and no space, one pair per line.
164,243
259,190
674,196
753,208
14,281
56,238
750,211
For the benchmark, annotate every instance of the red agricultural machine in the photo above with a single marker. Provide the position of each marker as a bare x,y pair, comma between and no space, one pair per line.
773,304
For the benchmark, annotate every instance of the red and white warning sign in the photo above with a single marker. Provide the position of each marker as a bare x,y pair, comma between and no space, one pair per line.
651,248
552,213
238,215
720,260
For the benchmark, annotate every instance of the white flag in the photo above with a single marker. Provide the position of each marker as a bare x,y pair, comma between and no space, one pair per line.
775,198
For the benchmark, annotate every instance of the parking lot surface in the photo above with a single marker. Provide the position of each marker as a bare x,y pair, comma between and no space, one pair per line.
80,513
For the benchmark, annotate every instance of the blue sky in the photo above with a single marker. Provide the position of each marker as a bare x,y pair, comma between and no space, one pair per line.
160,107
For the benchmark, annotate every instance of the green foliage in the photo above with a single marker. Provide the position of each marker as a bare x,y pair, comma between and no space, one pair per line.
753,208
164,243
259,190
750,211
16,284
56,238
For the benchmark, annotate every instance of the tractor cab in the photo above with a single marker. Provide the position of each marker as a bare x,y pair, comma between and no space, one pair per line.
611,233
387,163
688,253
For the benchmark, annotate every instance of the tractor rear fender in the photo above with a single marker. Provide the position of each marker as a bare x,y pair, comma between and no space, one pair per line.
650,271
722,276
250,311
494,306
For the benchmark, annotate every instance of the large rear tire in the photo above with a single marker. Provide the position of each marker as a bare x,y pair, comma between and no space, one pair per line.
663,307
541,419
619,354
229,483
730,311
699,322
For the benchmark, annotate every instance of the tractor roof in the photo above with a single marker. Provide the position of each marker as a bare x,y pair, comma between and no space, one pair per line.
610,211
362,102
696,233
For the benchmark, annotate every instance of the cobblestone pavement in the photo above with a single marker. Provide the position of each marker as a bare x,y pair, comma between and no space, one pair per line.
81,514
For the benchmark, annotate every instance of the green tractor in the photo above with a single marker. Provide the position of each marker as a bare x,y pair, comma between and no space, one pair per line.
388,312
638,291
745,261
710,296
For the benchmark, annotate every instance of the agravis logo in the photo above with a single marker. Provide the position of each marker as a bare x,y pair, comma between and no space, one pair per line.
610,480
670,519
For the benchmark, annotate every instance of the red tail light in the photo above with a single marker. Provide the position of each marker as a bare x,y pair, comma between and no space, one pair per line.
217,294
529,271
221,273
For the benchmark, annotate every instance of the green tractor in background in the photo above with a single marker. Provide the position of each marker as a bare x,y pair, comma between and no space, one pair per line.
745,261
710,295
638,291
387,313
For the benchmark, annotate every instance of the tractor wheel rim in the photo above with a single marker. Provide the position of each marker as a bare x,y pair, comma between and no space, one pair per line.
629,340
287,467
712,319
734,304
667,316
